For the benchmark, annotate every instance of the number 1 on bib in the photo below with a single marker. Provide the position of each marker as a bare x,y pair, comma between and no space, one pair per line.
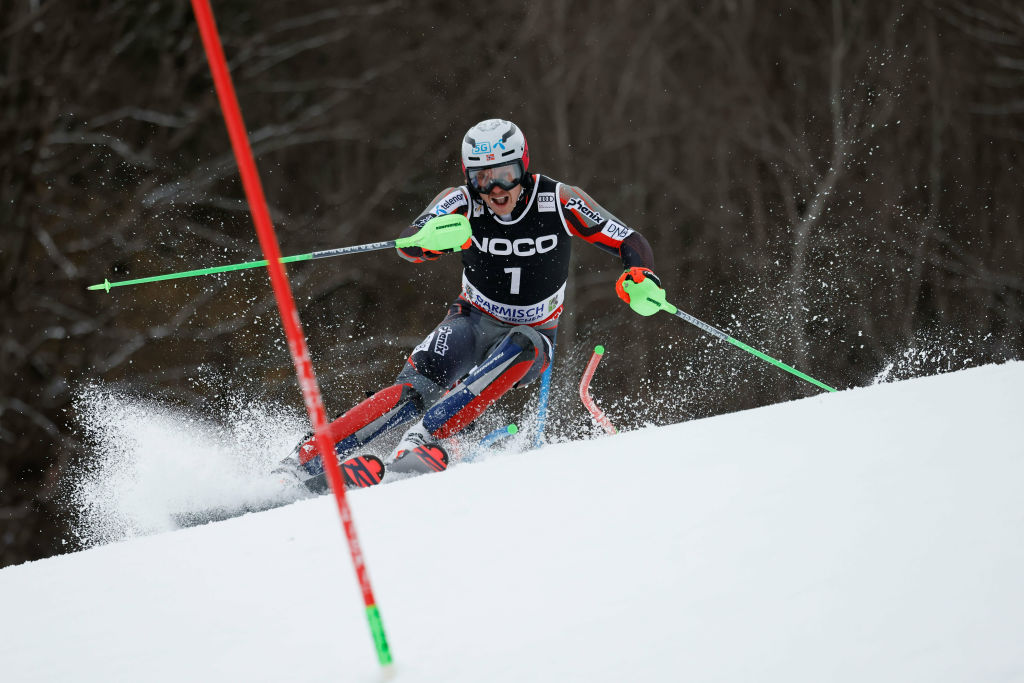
514,289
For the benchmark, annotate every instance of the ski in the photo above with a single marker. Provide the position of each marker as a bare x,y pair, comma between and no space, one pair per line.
359,471
221,513
421,460
299,479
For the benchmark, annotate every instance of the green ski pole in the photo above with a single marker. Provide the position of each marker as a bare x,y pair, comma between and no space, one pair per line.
438,234
647,298
724,337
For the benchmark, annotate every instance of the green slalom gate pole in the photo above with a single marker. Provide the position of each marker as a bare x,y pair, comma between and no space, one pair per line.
437,234
735,342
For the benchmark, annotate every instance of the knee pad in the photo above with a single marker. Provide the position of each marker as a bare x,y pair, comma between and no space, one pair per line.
425,387
534,345
372,417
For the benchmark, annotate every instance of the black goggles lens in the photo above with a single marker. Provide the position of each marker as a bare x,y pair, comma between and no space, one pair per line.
506,176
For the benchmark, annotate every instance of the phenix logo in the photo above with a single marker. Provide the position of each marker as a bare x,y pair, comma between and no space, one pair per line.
441,345
581,206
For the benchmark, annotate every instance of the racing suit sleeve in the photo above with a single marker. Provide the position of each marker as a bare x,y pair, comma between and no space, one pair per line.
588,220
452,200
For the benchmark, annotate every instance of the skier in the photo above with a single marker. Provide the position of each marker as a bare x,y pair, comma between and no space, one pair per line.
499,332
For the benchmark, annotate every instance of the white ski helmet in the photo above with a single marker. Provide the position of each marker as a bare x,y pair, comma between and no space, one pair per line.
493,143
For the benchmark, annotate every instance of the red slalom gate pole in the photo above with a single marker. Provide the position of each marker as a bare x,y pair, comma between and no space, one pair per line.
286,305
588,400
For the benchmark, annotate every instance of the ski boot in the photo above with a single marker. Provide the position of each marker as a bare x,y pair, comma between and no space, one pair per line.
419,453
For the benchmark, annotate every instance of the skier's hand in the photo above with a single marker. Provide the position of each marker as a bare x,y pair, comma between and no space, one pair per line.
641,289
442,234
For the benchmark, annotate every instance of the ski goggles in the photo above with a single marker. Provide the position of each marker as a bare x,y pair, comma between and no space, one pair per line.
505,176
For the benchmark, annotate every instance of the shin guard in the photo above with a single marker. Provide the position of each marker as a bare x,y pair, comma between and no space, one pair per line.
386,409
515,359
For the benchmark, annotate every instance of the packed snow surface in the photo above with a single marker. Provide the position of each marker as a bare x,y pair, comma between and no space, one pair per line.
875,534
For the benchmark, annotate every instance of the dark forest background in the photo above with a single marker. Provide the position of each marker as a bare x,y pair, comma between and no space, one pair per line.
835,183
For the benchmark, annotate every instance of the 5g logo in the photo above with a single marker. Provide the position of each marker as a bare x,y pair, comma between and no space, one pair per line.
486,147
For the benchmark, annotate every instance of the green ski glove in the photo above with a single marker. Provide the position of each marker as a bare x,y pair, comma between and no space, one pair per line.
641,289
444,233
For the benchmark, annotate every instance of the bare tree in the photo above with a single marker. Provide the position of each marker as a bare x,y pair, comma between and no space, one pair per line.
831,182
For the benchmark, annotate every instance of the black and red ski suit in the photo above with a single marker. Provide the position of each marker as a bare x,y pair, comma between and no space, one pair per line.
514,278
499,332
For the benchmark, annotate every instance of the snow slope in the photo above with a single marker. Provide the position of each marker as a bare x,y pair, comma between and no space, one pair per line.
873,535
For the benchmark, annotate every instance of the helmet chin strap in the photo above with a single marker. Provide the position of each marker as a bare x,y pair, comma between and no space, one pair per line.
527,183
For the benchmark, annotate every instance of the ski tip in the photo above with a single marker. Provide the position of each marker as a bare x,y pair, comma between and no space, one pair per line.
599,350
362,470
512,429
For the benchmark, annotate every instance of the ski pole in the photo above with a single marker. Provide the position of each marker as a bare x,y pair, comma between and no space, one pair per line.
542,399
724,337
498,435
440,231
491,439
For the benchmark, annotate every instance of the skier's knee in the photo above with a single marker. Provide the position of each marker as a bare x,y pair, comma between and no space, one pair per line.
427,388
534,348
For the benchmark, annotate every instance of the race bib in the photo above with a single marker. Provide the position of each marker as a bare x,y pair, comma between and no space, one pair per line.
510,313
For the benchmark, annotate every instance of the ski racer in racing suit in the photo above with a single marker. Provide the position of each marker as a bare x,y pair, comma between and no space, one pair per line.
499,332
